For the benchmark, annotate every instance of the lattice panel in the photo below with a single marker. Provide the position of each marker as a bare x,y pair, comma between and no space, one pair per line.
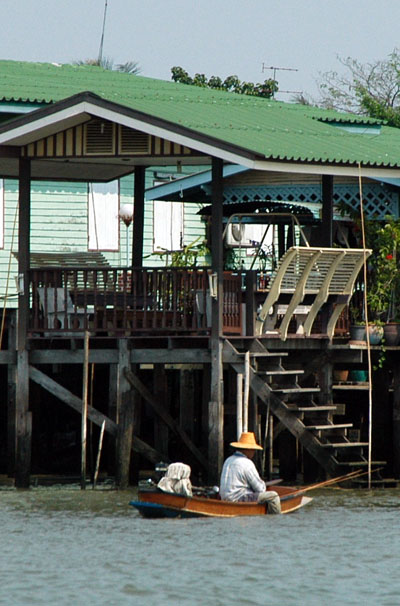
378,200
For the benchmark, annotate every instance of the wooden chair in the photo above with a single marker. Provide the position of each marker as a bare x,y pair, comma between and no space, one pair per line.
310,276
59,311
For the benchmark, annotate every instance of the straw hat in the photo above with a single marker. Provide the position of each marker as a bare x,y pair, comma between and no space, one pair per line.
247,440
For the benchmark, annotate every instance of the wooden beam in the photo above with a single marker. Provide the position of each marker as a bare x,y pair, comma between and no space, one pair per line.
110,356
94,415
166,417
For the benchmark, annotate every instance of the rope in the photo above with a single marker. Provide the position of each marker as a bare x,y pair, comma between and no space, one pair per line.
366,329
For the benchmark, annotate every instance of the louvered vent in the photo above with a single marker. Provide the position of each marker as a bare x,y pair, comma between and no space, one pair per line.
99,138
133,141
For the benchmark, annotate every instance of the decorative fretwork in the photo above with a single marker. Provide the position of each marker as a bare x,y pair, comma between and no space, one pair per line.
378,200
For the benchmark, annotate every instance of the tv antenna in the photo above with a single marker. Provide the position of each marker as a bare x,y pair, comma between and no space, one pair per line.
285,69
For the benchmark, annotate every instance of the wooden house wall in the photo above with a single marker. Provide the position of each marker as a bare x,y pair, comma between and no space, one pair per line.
59,223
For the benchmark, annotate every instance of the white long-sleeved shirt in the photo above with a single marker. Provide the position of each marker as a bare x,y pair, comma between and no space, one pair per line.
239,478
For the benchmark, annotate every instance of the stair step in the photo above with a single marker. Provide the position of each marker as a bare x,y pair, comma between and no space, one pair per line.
279,372
297,390
323,427
262,354
312,408
345,445
351,386
360,463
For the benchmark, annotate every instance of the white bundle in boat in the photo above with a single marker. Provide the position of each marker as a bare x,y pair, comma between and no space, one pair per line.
177,480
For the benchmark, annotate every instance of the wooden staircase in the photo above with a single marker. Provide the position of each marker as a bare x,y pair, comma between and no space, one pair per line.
278,385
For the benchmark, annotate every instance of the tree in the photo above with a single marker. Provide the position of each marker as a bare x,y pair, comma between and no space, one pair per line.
371,89
232,83
130,67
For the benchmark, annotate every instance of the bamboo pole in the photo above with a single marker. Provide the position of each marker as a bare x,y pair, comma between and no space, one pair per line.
366,330
246,391
84,409
270,445
239,404
349,476
96,471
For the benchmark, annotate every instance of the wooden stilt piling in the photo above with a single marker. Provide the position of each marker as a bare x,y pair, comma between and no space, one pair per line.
125,418
85,382
96,471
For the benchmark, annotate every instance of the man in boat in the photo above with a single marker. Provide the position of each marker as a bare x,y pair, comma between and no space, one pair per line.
240,480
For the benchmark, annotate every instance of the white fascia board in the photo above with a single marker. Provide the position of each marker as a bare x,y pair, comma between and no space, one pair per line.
170,135
43,127
326,169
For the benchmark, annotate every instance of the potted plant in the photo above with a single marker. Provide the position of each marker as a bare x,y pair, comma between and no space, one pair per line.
384,276
357,325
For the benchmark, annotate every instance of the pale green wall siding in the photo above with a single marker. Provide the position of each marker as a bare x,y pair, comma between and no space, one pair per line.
59,222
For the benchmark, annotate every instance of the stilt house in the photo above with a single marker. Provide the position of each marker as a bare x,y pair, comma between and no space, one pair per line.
187,356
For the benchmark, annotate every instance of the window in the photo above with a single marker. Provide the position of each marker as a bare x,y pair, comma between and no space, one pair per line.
167,225
103,216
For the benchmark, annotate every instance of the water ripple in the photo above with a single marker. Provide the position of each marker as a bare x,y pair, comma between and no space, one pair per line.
68,547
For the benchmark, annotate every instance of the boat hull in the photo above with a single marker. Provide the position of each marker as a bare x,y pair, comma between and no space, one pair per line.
157,504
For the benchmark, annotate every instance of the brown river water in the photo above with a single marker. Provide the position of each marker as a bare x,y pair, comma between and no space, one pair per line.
64,546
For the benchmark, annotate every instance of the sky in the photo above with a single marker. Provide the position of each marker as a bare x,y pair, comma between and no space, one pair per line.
214,37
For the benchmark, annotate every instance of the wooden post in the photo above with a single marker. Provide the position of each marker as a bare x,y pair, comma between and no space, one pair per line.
96,471
125,420
187,401
138,216
23,417
216,413
396,421
11,384
85,381
113,415
160,390
327,211
239,404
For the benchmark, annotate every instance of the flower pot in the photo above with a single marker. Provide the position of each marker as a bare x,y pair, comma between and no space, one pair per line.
375,334
359,375
357,332
340,375
391,331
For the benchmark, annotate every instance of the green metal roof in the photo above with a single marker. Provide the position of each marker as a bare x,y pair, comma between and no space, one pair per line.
271,129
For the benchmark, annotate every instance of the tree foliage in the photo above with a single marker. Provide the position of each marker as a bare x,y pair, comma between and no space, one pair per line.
232,83
371,89
129,67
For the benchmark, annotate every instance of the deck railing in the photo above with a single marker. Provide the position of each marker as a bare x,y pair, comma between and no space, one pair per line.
121,301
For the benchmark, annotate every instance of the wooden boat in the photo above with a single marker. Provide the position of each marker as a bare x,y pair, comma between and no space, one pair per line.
157,504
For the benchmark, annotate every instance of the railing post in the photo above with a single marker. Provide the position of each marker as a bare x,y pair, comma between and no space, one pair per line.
250,283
